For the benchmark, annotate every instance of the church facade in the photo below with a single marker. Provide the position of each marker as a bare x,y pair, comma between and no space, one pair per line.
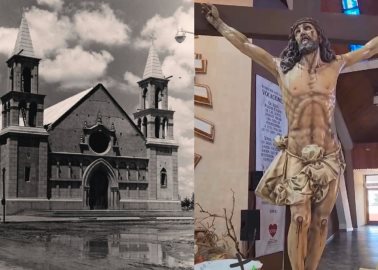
85,152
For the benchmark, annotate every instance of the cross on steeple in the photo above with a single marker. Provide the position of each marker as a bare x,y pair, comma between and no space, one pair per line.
259,23
152,38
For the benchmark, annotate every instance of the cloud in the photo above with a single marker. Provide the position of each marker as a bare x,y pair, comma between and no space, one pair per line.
179,60
101,26
183,116
54,4
49,32
183,134
186,181
8,38
76,67
182,79
131,85
132,79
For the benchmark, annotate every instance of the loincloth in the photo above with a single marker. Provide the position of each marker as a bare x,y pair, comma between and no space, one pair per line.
311,174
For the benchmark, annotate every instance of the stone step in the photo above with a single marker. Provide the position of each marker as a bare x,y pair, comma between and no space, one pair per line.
108,213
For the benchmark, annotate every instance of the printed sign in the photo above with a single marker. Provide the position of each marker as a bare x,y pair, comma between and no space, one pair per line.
270,121
272,228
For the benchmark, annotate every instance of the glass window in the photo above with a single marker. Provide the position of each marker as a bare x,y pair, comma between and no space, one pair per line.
348,4
353,47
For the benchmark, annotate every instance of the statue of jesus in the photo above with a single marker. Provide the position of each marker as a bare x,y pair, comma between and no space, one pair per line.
305,174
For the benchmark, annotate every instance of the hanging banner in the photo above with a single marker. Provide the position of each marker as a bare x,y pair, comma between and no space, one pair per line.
270,122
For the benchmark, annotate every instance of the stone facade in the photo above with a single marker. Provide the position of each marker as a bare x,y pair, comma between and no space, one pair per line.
86,152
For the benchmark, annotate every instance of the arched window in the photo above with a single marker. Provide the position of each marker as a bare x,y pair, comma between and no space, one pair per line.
5,118
157,127
11,78
165,128
145,126
139,123
163,178
158,98
144,96
127,173
33,115
8,113
26,80
22,114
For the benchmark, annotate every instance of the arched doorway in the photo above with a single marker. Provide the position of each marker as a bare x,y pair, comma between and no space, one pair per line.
98,190
100,186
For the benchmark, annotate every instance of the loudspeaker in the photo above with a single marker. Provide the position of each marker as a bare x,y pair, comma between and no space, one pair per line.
250,225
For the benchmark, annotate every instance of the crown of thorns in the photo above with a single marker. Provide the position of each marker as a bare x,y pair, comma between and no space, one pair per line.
306,20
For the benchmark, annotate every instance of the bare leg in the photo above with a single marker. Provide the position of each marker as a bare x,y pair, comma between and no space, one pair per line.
297,237
319,227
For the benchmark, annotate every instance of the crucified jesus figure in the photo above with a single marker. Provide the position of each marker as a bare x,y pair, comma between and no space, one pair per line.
305,174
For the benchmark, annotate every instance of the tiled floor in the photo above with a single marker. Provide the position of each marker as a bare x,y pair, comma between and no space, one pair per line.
352,250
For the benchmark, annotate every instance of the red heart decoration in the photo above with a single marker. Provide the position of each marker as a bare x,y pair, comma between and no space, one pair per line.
272,229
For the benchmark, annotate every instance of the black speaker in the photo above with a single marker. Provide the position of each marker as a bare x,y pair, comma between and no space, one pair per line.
254,179
250,225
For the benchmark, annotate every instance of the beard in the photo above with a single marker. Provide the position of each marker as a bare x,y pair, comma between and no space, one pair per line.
308,47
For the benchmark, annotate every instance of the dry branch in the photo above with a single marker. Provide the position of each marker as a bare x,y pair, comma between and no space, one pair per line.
230,229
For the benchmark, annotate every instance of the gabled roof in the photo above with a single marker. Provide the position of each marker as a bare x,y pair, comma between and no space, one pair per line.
24,45
54,112
153,66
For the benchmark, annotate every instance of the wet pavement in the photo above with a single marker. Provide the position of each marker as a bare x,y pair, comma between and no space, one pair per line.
97,245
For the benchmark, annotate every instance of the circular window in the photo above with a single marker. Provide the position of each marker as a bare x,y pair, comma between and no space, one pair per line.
99,142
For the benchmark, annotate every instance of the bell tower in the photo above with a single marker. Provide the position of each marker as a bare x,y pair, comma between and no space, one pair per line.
23,138
22,105
155,121
153,117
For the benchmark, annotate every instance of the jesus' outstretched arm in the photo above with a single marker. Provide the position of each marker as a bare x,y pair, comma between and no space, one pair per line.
239,40
370,49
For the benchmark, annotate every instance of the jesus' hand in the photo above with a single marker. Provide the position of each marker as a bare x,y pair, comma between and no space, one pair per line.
211,14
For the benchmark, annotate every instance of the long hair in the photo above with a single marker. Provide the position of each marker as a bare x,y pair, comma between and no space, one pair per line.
291,54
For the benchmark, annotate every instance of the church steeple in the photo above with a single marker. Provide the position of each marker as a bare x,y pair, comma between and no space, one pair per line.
153,117
153,66
24,45
22,104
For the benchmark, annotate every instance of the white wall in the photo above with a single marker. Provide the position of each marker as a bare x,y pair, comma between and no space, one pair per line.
225,163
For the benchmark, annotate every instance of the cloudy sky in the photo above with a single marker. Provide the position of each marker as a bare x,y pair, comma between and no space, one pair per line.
82,43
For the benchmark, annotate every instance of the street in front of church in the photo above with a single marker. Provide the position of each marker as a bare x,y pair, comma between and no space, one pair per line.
133,245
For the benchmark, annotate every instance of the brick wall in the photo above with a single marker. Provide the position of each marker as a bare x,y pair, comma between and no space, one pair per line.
65,136
27,157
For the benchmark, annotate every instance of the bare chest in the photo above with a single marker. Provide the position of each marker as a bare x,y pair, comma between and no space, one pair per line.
302,83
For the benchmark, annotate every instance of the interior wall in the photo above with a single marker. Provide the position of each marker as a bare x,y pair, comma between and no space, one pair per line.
365,155
334,6
225,162
246,3
368,7
276,4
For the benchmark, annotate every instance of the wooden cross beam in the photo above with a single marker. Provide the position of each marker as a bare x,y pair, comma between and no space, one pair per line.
275,24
